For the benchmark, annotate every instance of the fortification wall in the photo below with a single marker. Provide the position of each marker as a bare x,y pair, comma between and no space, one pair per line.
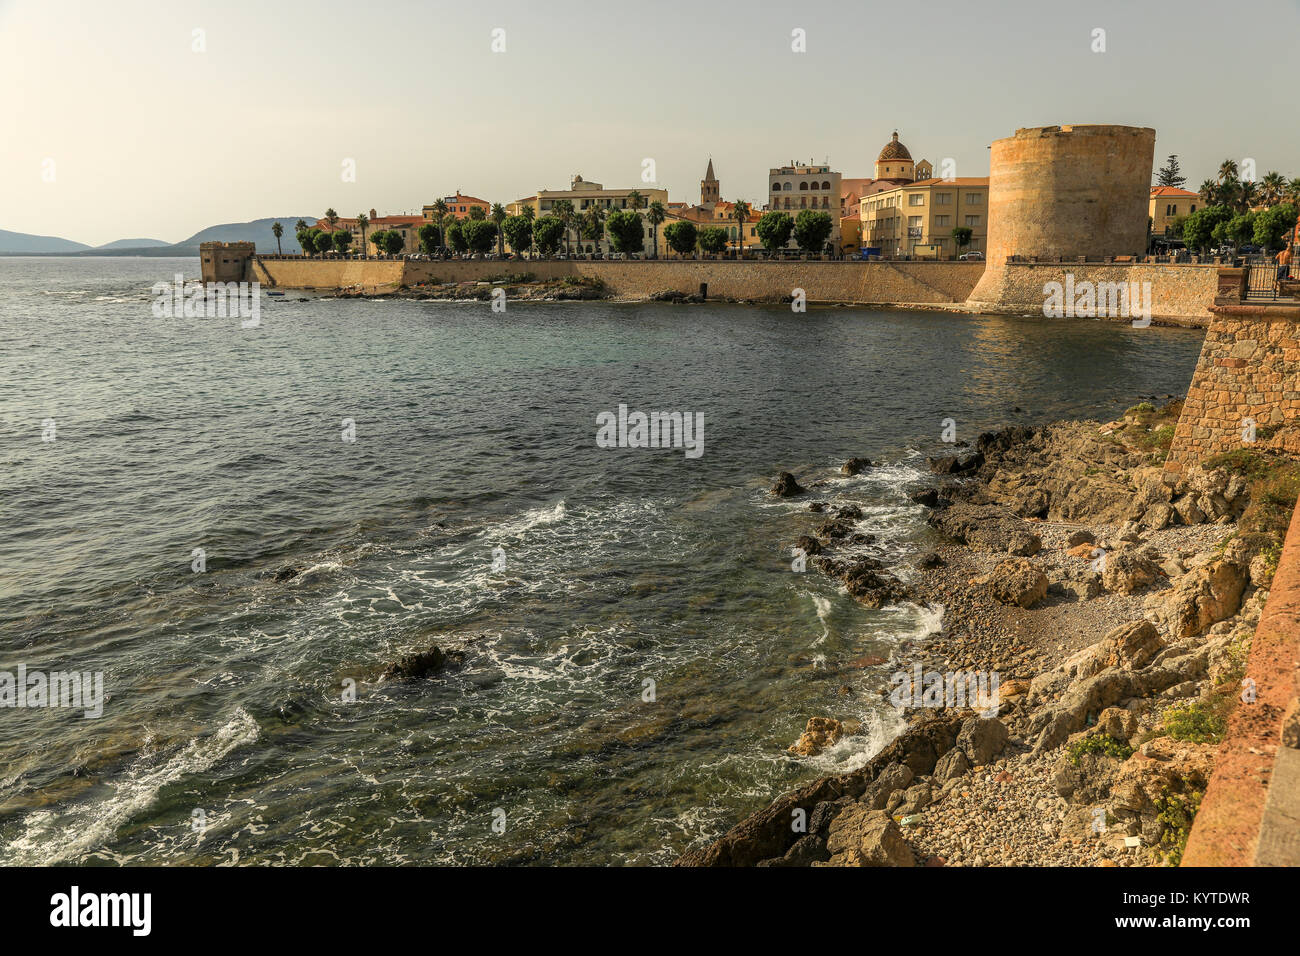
877,283
1180,294
1249,369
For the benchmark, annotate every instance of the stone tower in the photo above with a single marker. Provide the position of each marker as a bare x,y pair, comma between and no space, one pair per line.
895,162
1065,191
710,189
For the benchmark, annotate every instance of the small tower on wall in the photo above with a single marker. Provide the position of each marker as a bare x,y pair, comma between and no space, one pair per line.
710,189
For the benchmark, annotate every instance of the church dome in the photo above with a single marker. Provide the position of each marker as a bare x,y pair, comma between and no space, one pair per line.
894,150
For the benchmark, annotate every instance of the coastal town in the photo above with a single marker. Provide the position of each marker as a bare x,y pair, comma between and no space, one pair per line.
904,210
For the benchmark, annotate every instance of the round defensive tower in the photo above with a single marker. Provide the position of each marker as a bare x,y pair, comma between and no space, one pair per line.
1065,191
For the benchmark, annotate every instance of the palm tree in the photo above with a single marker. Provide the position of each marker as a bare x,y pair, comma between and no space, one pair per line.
362,221
331,217
562,210
740,213
1274,187
499,216
655,215
299,226
635,200
1209,192
1248,195
593,223
277,230
1227,171
1293,190
529,213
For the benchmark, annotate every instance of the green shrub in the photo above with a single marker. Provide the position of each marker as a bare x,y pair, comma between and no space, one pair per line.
1196,723
1176,811
1103,744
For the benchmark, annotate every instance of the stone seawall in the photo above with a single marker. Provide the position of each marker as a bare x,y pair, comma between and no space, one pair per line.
866,283
1181,294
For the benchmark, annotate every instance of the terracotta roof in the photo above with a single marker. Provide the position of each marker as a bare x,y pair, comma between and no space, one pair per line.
959,181
1172,191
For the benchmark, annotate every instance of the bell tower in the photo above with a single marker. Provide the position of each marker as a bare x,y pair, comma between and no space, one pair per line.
710,190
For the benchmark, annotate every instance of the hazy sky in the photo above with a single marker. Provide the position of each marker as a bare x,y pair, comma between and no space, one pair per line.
149,138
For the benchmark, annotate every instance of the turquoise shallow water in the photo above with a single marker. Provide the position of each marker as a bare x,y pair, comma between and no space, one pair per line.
474,432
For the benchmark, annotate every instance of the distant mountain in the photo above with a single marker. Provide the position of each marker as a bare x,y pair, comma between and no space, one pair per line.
133,244
22,242
257,231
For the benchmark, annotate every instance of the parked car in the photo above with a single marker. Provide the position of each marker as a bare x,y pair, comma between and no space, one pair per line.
971,257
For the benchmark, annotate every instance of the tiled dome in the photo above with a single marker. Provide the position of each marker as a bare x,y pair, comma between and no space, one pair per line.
894,150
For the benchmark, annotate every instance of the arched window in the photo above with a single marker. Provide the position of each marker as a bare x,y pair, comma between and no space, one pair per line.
776,187
826,185
786,187
803,185
815,186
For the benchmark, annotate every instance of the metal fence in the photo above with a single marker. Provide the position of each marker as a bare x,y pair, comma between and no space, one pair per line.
1262,274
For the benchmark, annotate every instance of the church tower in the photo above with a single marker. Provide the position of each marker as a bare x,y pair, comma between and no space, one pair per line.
710,190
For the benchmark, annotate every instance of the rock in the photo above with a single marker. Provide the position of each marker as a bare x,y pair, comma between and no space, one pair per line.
1017,582
871,588
817,507
418,664
1199,599
808,544
1158,516
819,821
982,739
1117,722
1132,645
786,486
1076,538
1186,509
894,777
806,851
926,496
1127,571
915,799
862,837
1031,503
820,733
930,559
982,526
1013,688
943,465
834,528
1024,544
951,765
287,573
849,513
1085,552
855,466
1291,725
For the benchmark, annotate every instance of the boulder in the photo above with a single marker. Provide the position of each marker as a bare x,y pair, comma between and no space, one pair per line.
1017,582
930,559
982,739
855,466
786,486
894,777
1024,544
1187,510
951,765
1127,571
1082,536
808,544
418,664
1199,599
820,733
863,837
926,496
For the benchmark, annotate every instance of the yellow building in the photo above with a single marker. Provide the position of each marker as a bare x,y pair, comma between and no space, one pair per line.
1169,203
917,218
585,195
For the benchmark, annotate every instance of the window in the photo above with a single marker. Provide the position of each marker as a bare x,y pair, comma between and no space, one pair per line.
974,199
943,199
803,185
942,221
803,202
787,202
916,199
972,220
1193,209
815,186
1171,209
776,187
825,184
913,222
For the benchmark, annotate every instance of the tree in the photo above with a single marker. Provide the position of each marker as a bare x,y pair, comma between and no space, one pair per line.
331,217
440,210
1209,192
456,236
1170,174
635,200
562,209
320,241
1293,191
498,217
681,236
1272,188
362,221
477,213
1199,227
655,214
518,231
548,232
277,230
593,225
774,230
479,235
394,242
341,239
304,242
812,229
1228,171
712,239
1273,226
740,213
377,240
961,236
626,231
430,237
1241,228
299,226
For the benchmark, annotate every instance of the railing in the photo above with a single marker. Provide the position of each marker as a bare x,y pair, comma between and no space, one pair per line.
1262,277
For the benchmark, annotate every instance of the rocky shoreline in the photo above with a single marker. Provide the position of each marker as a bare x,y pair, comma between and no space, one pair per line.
1115,613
